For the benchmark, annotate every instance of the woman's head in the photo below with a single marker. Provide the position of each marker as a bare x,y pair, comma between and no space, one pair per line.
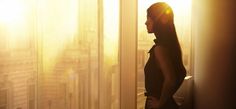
160,21
159,16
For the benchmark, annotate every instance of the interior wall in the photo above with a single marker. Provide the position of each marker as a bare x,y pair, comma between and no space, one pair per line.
214,54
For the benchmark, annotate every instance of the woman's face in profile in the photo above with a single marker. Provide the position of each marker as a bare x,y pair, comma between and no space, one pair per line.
149,24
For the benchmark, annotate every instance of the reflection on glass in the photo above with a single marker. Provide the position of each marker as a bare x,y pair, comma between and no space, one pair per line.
182,12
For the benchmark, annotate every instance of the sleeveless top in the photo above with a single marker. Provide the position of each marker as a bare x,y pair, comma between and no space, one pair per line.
153,75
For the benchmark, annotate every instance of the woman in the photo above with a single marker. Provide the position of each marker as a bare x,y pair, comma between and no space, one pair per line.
164,70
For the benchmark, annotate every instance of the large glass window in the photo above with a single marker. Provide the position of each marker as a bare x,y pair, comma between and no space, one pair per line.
182,19
110,81
68,49
79,65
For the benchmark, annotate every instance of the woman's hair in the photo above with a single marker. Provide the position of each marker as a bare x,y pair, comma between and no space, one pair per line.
165,31
160,9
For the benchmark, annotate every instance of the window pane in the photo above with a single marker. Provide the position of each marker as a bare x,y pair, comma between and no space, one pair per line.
18,53
16,21
182,12
71,76
111,76
60,66
69,48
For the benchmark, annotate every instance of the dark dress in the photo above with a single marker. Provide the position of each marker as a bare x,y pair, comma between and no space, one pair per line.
154,80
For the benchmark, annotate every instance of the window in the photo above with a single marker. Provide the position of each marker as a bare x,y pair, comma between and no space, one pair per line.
79,67
16,23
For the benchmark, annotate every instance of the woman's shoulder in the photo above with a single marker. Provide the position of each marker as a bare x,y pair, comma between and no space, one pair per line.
156,43
152,49
161,50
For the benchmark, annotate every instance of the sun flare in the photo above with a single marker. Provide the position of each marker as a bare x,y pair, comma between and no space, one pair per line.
180,6
11,12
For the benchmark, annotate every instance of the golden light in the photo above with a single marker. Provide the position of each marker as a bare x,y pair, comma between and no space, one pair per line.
182,16
58,23
111,30
14,18
180,7
182,19
12,12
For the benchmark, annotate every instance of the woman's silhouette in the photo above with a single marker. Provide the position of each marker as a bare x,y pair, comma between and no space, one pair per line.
164,70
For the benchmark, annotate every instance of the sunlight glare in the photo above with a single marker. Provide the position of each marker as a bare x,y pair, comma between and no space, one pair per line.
182,16
179,6
59,27
12,12
111,30
182,19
